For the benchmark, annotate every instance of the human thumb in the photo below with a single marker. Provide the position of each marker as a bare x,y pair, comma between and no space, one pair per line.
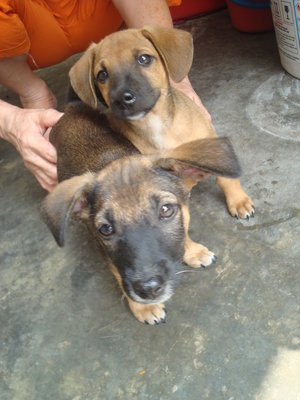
48,118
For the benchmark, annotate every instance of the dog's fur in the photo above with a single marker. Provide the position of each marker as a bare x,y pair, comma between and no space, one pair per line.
127,75
135,205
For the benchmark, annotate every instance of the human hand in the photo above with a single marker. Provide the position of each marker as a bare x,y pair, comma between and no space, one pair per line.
186,87
28,131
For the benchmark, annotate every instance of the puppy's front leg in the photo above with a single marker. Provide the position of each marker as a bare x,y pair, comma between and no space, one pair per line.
151,314
195,254
238,202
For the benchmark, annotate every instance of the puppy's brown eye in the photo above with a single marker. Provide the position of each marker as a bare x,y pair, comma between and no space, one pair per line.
106,230
167,211
102,76
145,60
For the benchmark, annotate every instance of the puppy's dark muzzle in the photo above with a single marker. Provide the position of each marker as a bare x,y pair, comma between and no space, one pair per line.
150,289
131,95
128,98
125,103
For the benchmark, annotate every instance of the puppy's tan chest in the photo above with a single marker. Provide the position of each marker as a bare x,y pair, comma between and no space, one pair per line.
162,134
149,134
156,132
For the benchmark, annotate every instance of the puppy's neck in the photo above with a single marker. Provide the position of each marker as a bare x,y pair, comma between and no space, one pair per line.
148,134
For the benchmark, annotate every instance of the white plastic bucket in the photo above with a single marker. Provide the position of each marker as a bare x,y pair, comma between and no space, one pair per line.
286,19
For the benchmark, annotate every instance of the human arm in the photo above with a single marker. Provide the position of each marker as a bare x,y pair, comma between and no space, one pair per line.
16,75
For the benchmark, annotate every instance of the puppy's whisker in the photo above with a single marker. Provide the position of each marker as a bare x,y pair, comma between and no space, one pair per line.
123,298
185,270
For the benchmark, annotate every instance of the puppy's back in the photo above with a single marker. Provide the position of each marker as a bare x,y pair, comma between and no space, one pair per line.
85,142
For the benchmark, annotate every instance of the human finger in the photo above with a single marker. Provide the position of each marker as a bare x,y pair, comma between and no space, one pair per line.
48,118
37,144
44,172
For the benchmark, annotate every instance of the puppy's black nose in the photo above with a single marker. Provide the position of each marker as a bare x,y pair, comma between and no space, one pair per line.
149,289
128,97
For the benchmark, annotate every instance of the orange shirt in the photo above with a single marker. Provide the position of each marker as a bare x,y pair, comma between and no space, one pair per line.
49,31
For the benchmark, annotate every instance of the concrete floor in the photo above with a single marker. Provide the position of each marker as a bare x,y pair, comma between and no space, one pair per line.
232,330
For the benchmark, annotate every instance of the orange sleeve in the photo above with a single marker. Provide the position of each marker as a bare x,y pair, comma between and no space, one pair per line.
13,39
174,2
51,30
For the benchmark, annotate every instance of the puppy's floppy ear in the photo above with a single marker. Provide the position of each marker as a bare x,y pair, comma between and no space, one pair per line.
69,197
81,77
175,47
195,160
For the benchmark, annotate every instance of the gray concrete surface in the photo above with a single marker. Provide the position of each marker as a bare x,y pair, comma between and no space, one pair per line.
232,330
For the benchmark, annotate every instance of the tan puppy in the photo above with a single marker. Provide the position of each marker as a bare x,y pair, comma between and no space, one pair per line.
136,206
128,76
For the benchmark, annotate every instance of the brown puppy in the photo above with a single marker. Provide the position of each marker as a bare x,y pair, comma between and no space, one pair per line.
128,76
135,205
